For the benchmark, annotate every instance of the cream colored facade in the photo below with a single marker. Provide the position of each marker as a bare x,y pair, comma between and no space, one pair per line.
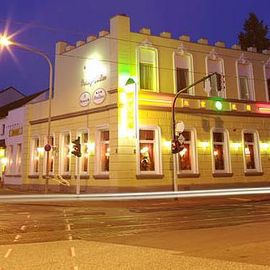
129,128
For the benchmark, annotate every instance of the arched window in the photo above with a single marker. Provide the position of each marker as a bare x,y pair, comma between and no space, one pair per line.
214,63
183,75
267,78
148,68
245,79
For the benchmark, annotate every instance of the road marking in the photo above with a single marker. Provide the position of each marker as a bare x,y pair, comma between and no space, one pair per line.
240,199
76,268
70,237
68,227
66,220
23,228
17,237
28,216
8,253
72,251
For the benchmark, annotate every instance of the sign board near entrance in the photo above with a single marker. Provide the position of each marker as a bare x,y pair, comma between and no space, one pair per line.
99,96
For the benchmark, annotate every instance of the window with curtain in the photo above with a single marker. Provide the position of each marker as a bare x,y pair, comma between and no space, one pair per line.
244,88
251,151
182,79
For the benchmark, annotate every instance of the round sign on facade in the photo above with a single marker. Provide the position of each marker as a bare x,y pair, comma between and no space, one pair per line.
179,127
47,147
99,96
85,99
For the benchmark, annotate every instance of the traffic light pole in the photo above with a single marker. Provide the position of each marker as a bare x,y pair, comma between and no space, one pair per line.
78,179
175,186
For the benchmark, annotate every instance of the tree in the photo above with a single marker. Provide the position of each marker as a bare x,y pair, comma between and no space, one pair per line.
254,35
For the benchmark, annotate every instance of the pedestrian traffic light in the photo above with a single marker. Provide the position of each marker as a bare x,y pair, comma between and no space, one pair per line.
176,147
76,148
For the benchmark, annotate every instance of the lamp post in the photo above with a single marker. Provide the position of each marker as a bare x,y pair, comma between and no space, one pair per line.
6,42
174,136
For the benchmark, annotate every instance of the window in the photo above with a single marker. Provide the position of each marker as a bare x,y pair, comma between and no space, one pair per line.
215,64
183,63
244,88
267,79
19,158
51,155
251,152
220,152
182,79
34,168
187,162
103,152
10,159
65,154
245,80
148,68
268,89
84,150
149,159
2,130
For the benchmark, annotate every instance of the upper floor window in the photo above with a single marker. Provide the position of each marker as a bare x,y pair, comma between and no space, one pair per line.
215,64
267,80
187,161
2,129
148,68
251,151
183,71
220,151
245,79
149,156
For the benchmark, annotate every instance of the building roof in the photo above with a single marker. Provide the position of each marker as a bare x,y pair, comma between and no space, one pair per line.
18,103
9,95
11,88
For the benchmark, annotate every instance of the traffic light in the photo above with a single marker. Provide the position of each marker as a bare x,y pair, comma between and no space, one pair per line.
76,148
219,82
176,146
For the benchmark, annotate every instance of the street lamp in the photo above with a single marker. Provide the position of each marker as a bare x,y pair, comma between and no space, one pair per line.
6,42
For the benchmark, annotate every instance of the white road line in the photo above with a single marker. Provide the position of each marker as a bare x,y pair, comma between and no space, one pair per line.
240,199
70,237
28,216
72,249
76,268
8,253
17,237
68,227
23,228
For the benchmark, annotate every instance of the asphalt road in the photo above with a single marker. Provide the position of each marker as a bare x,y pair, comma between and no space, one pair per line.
223,233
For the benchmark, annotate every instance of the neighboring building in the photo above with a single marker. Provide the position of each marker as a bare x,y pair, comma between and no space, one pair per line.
126,138
9,95
13,128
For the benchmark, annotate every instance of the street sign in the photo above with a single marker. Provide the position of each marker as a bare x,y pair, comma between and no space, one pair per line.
47,147
179,127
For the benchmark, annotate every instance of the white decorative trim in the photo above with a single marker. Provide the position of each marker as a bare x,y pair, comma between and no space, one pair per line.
146,43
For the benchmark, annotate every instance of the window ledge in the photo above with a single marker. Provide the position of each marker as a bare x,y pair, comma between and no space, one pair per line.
83,176
222,174
12,175
188,175
149,176
253,173
66,176
101,176
33,176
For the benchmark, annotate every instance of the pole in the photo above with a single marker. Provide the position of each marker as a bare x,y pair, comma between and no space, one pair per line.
30,49
78,179
175,186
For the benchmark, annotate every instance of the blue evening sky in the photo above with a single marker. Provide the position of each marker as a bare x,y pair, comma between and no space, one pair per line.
42,23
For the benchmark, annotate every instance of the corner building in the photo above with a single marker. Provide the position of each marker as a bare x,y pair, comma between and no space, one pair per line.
115,92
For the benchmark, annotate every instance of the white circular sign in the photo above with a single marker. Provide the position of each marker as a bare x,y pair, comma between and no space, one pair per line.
179,127
85,99
99,96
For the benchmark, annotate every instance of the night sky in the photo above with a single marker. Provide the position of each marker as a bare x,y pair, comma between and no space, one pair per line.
42,23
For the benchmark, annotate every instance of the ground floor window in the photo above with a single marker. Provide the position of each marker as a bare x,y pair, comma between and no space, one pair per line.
35,146
65,153
251,151
102,151
149,156
85,155
187,160
220,151
19,158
